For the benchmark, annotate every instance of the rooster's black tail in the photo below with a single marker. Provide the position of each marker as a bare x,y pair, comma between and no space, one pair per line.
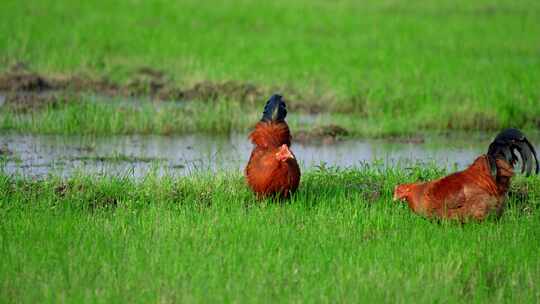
275,109
506,144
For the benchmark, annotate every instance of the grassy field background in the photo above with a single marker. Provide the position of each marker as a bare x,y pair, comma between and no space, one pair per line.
207,239
372,68
377,67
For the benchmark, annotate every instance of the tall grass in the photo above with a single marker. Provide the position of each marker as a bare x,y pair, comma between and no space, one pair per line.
97,117
207,239
415,65
101,117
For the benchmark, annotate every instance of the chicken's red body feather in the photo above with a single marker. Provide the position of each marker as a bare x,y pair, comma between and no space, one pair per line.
265,174
471,193
479,190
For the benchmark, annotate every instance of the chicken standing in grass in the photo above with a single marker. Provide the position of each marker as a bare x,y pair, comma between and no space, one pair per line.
479,190
272,168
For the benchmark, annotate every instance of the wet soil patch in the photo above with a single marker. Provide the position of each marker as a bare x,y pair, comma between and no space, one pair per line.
416,139
324,134
4,151
209,91
23,81
28,101
117,158
23,89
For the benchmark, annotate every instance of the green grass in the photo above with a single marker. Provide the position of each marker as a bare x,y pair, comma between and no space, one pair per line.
379,68
90,117
205,238
402,67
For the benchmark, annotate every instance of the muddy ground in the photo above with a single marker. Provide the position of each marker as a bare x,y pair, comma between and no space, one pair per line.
324,134
26,90
23,90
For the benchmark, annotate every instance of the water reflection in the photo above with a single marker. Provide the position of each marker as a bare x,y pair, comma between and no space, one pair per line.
39,155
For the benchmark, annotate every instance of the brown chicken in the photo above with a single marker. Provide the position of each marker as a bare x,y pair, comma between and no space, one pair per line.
272,168
479,190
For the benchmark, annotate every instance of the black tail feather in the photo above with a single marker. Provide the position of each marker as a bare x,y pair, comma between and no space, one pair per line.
535,156
275,109
505,146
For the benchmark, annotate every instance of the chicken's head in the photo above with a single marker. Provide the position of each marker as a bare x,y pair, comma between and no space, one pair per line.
402,192
284,153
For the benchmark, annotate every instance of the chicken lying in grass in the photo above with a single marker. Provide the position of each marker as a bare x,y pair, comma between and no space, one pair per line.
479,190
272,168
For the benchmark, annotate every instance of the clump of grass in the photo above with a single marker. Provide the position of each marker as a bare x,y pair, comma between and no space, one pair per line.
87,116
206,238
116,157
91,116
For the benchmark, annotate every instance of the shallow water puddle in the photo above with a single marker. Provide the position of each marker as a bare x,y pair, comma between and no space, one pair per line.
39,155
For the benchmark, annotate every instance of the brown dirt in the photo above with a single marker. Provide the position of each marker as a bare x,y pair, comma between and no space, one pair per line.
210,91
80,83
61,189
17,81
27,90
4,151
151,72
417,139
26,102
327,135
301,106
